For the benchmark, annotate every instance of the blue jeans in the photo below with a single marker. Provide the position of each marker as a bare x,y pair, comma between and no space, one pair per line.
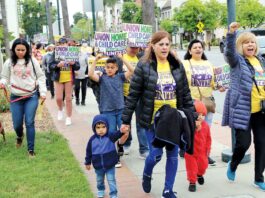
114,119
141,133
25,108
110,174
155,155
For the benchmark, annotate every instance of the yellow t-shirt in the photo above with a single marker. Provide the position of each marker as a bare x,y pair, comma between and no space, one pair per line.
165,87
260,79
133,61
202,76
65,74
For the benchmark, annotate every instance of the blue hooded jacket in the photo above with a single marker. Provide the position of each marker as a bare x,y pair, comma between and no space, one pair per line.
101,150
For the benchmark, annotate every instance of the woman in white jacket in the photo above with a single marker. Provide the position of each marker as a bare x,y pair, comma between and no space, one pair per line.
23,73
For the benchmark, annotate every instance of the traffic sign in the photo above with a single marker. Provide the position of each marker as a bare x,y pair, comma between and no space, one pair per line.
200,26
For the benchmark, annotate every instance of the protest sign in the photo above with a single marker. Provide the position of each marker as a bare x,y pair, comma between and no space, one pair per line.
100,65
111,43
222,76
67,53
138,34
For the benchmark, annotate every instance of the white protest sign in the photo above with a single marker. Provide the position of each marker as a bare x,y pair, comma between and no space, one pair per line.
67,53
138,34
111,43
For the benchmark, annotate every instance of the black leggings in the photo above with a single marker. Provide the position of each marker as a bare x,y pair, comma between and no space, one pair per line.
243,141
83,88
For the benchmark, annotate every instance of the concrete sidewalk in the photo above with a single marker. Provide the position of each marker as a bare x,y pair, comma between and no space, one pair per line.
129,176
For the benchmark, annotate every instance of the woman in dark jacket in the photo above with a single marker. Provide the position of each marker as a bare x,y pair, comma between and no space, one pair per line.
242,108
158,79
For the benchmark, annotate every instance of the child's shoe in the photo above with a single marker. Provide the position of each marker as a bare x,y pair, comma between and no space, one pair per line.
192,187
118,165
169,194
146,183
60,115
200,179
68,121
260,185
230,174
101,194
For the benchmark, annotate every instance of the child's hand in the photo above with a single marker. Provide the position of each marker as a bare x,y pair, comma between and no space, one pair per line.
119,55
99,56
198,125
124,128
88,167
123,138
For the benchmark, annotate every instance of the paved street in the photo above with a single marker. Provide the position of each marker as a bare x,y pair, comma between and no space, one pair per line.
129,176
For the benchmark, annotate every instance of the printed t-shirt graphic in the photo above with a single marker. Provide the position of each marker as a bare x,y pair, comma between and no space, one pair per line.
165,87
202,75
260,79
65,73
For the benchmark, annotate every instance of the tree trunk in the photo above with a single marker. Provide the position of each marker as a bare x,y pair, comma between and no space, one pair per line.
148,14
49,21
6,37
66,25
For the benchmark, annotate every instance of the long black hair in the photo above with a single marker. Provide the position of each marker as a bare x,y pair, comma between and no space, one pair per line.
14,57
188,56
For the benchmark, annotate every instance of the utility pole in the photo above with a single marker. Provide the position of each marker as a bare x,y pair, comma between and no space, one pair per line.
48,14
227,153
93,16
6,40
58,17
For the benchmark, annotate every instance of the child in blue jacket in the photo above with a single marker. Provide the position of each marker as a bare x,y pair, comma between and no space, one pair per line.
102,153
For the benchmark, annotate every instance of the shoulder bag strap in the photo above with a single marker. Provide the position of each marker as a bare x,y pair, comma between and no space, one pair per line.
191,79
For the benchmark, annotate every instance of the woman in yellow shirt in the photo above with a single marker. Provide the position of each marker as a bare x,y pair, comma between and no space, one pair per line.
200,76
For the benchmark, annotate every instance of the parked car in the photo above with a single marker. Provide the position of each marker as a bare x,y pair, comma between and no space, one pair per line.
261,44
260,34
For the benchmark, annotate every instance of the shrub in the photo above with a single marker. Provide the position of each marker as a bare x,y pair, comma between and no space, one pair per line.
4,104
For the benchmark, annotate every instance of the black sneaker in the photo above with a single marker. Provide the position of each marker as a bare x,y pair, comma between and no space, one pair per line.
19,141
83,103
31,153
200,179
211,162
169,194
120,149
77,102
146,183
181,153
192,187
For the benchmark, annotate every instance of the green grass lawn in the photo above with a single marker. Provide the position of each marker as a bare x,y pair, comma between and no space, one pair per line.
53,173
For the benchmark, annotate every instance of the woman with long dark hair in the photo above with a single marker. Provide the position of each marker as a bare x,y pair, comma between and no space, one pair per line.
24,75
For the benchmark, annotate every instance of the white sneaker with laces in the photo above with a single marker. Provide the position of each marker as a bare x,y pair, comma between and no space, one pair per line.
60,115
143,155
68,121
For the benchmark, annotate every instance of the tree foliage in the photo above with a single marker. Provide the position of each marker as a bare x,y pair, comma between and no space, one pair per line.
250,13
77,16
83,29
167,25
211,13
131,13
33,24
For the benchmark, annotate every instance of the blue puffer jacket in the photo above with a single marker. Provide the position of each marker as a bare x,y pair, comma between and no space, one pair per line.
237,106
101,150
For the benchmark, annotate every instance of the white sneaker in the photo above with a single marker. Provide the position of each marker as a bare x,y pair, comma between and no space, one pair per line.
144,155
118,165
68,121
126,150
60,115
